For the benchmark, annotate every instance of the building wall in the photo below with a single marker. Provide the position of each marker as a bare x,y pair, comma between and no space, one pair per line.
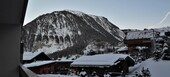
11,19
9,50
45,69
113,70
62,67
138,42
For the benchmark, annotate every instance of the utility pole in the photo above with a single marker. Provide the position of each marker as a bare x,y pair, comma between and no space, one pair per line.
153,40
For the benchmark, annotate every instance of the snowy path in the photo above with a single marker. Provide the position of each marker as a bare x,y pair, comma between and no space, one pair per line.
157,69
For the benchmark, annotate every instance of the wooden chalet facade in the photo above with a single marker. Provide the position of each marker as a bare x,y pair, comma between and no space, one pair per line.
139,38
112,63
29,57
63,66
41,67
138,42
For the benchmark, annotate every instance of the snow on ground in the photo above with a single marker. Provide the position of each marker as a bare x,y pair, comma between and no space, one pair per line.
55,75
157,68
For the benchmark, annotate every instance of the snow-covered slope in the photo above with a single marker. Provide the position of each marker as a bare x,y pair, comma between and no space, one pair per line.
157,68
67,28
162,30
98,47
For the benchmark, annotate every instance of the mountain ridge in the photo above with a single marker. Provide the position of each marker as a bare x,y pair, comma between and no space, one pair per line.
62,29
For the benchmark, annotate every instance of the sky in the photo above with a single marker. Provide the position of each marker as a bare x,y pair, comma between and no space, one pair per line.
126,14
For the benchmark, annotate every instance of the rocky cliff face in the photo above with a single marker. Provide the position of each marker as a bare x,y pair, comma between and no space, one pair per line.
60,30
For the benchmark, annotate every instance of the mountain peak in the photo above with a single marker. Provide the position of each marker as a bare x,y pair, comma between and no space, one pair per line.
75,12
64,29
79,13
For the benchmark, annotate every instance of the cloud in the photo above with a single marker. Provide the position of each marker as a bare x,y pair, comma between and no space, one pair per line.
165,17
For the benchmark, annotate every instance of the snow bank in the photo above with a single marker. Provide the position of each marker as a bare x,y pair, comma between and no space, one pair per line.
157,68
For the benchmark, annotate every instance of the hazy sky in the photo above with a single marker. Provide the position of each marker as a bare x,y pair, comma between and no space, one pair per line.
134,14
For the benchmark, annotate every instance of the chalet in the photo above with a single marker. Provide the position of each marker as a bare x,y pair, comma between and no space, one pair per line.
29,57
41,67
113,63
140,38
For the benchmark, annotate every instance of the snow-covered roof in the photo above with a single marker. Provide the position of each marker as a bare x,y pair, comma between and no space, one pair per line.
124,48
165,45
64,60
99,60
68,59
38,63
145,34
165,48
30,55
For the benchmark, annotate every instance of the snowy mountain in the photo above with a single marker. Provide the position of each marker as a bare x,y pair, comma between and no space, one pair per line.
66,29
